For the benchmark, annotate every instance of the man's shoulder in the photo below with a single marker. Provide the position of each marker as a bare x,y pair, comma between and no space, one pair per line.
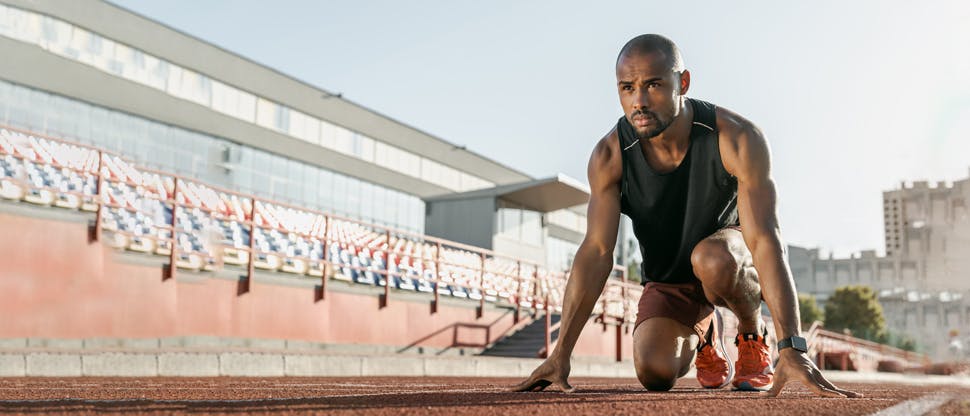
731,123
606,159
738,137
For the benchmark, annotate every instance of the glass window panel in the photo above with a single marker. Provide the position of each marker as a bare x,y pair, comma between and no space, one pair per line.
294,178
343,141
355,145
418,213
278,175
340,194
21,25
411,163
79,44
376,203
427,169
296,125
233,102
311,184
222,98
155,75
245,106
380,154
265,113
367,148
4,100
105,57
403,211
531,227
311,130
36,101
282,118
328,135
325,190
353,197
366,201
55,31
121,59
391,200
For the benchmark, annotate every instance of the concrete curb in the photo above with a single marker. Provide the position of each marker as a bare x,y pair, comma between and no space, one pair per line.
897,378
275,364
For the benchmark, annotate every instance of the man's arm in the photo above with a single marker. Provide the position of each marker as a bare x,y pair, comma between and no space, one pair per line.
748,158
591,266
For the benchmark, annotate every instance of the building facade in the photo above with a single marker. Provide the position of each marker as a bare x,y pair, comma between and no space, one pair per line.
923,281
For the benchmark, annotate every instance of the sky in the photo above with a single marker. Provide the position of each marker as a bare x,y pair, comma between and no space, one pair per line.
853,97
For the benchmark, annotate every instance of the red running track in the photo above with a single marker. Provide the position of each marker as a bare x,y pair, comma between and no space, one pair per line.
431,396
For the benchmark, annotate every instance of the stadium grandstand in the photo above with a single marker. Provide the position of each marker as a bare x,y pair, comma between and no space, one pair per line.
183,151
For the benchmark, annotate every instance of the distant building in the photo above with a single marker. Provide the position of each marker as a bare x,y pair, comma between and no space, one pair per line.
924,279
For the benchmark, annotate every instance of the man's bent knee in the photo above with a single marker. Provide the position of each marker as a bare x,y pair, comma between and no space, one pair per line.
713,262
657,377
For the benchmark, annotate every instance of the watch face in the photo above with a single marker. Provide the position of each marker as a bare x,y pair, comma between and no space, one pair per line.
799,343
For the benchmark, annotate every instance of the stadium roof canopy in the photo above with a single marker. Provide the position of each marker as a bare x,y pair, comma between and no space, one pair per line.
543,195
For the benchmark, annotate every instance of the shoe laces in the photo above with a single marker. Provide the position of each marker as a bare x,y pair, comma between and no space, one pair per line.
708,360
752,354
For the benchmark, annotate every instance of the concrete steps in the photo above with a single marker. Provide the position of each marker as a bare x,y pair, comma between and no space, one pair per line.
526,342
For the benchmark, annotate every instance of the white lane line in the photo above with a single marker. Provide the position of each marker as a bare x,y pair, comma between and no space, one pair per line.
917,406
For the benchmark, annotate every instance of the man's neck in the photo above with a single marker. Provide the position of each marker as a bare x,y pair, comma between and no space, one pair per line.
677,135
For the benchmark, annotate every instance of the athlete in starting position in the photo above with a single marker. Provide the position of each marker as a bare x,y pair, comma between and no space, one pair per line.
695,180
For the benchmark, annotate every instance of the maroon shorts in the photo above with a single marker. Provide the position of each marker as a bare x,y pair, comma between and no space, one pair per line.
682,302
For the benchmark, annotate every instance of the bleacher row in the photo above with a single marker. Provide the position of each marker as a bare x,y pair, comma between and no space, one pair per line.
212,229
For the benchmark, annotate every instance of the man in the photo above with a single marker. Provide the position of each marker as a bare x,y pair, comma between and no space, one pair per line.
695,180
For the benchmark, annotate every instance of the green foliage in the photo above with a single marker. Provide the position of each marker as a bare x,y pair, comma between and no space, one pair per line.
856,309
633,271
906,343
902,341
809,310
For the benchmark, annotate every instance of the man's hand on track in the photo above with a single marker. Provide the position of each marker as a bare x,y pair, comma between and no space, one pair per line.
793,365
552,371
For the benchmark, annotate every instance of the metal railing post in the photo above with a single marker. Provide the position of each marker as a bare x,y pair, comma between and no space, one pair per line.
387,273
437,274
251,267
603,312
326,257
535,290
173,239
623,293
481,287
518,291
548,337
97,197
619,342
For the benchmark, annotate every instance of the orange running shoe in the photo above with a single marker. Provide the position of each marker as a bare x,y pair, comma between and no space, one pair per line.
714,370
754,363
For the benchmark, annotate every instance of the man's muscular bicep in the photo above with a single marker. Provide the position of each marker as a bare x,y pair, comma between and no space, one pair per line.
603,213
749,158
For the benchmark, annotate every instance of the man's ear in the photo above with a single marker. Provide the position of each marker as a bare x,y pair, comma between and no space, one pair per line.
684,82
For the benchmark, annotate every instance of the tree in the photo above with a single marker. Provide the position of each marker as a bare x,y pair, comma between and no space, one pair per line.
633,271
856,309
901,341
809,311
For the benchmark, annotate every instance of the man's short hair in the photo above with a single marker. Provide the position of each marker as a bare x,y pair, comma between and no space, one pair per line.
653,43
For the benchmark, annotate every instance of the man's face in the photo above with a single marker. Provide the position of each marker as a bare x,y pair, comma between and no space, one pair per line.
650,92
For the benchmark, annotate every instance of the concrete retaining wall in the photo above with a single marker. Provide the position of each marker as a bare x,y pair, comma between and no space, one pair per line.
254,364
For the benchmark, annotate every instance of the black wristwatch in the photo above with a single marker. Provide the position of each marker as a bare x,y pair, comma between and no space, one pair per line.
796,343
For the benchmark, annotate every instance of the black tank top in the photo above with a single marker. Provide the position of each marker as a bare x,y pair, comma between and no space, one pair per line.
673,211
